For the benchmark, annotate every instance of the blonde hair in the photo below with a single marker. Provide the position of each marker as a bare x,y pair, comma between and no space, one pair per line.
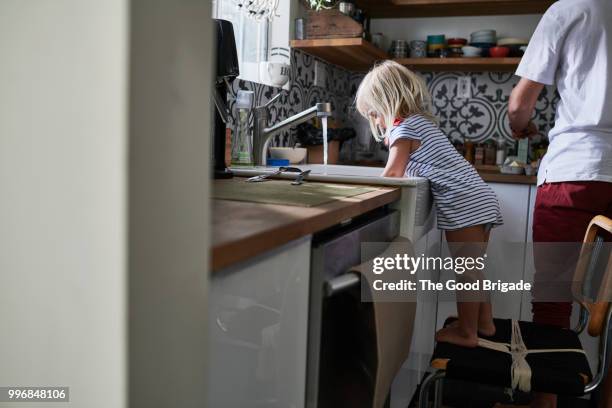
392,91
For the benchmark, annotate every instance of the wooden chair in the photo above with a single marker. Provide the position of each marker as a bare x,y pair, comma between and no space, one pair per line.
571,373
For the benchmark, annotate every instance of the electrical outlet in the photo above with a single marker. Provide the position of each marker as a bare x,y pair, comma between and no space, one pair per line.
464,87
320,74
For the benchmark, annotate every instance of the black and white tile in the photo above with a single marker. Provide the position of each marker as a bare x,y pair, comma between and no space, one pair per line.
481,117
484,115
302,93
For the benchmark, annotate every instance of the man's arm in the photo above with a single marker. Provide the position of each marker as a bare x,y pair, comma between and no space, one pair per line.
522,102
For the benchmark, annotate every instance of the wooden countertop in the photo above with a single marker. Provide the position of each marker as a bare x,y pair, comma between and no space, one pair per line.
242,230
487,175
507,178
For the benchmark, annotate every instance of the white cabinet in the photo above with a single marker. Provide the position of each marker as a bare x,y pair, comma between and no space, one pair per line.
258,329
529,263
506,252
422,345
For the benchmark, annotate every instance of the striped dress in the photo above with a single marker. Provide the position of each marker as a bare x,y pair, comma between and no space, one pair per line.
461,197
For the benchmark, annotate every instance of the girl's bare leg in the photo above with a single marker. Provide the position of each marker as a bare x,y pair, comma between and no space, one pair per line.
474,317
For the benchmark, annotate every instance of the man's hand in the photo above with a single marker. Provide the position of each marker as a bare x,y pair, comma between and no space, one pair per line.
520,108
530,131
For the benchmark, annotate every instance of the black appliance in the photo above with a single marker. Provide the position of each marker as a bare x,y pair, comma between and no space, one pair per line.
227,71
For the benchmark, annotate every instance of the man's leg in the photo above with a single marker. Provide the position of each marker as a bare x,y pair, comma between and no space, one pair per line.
562,213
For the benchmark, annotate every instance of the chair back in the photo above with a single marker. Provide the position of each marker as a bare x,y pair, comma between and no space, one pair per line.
593,247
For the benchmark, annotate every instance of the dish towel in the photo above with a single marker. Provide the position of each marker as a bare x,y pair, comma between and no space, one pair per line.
394,324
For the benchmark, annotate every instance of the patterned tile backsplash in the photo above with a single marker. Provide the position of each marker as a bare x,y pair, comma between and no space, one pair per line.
302,94
481,117
484,115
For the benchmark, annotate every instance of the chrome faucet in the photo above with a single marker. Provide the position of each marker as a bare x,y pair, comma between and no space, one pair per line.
263,134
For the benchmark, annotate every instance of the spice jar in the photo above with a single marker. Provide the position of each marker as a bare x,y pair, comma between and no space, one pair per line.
479,155
489,154
500,155
468,150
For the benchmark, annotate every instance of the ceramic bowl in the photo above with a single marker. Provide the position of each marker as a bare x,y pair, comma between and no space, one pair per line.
512,169
436,39
499,52
456,41
512,41
484,32
293,154
469,51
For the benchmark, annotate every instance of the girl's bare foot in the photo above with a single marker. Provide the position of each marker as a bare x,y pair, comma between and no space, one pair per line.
455,335
486,329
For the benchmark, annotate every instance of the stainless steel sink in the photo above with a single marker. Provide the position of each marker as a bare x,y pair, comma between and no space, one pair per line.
337,173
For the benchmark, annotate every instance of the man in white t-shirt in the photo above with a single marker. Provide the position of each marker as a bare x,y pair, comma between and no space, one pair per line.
572,49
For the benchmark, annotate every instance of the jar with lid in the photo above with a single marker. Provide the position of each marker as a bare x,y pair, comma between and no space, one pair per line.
468,149
479,155
500,154
489,153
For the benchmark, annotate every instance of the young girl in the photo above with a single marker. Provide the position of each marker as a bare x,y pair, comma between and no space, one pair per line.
396,102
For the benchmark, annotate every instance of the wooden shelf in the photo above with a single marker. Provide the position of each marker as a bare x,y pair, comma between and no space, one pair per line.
441,8
461,64
354,54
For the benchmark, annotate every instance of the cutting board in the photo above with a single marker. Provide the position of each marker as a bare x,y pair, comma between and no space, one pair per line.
283,192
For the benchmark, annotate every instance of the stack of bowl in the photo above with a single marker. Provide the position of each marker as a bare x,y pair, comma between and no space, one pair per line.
483,39
515,45
436,45
454,47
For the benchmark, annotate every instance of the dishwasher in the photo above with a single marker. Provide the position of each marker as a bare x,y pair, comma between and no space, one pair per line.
341,335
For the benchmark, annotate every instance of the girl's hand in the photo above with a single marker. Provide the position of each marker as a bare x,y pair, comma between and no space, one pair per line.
386,141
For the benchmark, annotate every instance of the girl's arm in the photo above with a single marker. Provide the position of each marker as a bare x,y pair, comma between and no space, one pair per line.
399,154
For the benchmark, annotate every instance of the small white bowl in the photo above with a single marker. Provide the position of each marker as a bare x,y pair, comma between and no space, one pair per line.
293,154
512,169
469,51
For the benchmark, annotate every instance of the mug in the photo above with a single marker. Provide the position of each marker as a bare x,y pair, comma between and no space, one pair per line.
279,73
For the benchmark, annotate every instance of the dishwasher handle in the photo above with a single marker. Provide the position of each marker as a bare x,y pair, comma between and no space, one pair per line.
341,283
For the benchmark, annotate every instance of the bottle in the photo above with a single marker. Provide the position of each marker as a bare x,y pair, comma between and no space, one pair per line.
479,155
242,146
489,154
500,155
468,148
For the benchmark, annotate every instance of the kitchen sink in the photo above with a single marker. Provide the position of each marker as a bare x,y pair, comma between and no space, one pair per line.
337,173
415,204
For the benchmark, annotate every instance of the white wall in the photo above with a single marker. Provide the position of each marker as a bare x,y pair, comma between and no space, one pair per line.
170,136
419,28
82,83
62,197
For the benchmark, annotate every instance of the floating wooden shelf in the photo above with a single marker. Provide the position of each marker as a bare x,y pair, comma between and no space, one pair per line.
461,64
354,54
441,8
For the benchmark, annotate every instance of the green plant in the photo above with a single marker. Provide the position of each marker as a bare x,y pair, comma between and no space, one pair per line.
321,4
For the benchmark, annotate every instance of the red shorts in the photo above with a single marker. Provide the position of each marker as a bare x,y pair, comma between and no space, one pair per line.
562,214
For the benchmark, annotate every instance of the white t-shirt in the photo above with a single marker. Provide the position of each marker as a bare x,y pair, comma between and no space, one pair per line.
572,48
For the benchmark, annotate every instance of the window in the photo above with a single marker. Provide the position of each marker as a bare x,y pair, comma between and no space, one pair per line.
257,42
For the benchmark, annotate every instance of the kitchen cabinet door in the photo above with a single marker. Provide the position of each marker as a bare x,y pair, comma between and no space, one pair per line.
529,264
258,329
506,247
422,345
